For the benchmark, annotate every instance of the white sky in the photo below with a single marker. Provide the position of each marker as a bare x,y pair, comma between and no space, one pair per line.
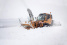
16,8
10,9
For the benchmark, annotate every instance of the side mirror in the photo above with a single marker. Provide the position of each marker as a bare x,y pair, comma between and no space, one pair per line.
50,12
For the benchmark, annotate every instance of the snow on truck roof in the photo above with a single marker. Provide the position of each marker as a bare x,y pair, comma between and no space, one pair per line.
43,14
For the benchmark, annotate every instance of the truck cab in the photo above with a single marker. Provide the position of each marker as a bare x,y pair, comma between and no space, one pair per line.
45,18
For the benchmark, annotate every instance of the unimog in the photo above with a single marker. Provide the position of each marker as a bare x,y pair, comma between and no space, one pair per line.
44,19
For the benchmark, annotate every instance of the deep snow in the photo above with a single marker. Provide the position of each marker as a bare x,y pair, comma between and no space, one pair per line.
40,36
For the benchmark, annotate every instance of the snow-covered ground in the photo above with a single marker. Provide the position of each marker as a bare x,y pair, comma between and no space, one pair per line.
17,35
40,36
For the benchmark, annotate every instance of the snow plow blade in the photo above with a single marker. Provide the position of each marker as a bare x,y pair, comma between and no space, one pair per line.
26,26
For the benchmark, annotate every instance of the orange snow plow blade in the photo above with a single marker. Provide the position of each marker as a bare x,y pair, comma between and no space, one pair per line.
26,26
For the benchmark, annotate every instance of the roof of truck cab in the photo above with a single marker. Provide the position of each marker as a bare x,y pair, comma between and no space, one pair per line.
43,14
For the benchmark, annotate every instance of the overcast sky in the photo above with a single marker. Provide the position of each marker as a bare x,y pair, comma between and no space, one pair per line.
18,8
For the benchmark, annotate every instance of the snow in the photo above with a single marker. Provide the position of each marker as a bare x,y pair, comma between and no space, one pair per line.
9,23
40,36
17,35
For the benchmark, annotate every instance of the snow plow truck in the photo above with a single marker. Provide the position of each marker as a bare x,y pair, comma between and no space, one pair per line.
44,19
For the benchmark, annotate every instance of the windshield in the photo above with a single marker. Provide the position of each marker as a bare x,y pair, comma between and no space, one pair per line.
41,18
